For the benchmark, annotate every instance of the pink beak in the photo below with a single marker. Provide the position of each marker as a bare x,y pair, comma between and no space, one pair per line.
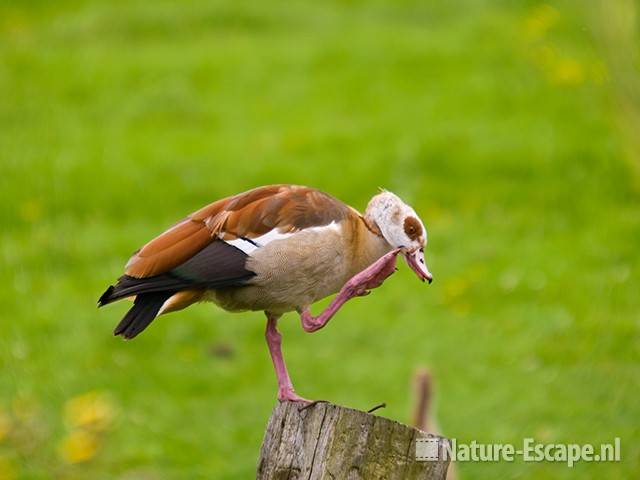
416,262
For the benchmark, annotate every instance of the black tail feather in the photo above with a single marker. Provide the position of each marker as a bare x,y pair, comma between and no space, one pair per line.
106,296
218,265
131,286
144,310
128,286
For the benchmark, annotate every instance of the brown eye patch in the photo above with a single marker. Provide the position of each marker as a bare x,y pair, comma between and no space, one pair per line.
412,228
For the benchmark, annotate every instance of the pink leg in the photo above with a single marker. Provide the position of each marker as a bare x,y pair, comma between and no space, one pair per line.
274,341
357,286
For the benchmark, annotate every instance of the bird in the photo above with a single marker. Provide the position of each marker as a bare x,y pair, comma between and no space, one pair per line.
276,249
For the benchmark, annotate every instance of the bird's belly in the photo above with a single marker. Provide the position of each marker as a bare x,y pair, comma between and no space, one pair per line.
290,273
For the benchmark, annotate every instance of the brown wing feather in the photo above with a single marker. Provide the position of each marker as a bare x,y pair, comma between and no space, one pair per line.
288,208
250,214
169,249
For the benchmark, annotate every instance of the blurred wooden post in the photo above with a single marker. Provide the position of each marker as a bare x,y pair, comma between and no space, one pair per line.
423,418
327,441
422,400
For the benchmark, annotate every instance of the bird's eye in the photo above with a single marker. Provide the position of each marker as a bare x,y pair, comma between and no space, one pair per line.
412,228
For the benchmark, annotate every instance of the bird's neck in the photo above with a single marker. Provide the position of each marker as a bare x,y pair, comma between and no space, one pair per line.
367,245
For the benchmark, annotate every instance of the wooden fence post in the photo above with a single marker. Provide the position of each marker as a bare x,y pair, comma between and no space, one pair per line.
327,441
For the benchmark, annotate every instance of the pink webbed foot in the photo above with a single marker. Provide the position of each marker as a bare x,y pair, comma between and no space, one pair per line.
373,276
289,395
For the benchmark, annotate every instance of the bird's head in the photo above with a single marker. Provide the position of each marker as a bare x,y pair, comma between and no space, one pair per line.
401,228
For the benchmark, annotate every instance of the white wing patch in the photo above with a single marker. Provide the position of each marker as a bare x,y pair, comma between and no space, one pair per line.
249,245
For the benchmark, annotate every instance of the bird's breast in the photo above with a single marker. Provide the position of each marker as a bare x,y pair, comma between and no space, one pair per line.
291,271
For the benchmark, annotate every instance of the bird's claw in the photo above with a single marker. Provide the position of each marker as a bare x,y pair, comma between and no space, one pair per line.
289,395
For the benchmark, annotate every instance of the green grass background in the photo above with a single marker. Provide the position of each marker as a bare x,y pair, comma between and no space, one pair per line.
498,121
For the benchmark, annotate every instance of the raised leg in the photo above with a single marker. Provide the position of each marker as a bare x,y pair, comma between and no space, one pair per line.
357,286
274,341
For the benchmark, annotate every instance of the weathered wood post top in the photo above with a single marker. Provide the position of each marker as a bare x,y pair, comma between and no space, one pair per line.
327,441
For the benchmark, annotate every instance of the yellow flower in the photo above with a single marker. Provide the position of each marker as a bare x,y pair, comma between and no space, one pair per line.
567,71
92,410
540,21
79,446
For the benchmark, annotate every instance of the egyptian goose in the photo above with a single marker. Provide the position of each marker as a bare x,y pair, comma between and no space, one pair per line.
277,249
